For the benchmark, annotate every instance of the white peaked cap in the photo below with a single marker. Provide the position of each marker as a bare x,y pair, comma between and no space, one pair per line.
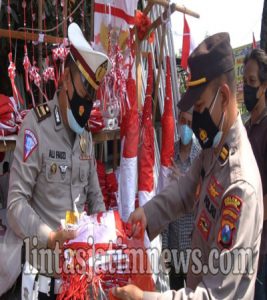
92,64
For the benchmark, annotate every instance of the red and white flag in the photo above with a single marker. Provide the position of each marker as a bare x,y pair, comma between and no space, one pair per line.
188,45
118,15
146,155
129,150
168,127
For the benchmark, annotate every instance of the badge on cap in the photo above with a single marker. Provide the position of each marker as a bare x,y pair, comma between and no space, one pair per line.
30,143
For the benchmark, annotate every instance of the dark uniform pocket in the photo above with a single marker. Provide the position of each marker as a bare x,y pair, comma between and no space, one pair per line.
57,171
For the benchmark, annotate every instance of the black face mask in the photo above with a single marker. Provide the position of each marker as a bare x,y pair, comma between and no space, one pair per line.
250,96
80,107
207,133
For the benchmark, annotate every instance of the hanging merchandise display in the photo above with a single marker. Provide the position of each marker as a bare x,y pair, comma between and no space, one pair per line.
168,130
146,155
129,150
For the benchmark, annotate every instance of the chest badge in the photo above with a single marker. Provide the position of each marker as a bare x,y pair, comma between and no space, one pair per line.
83,144
53,168
63,170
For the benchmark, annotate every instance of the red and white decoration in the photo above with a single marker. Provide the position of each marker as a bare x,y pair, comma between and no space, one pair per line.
146,155
168,128
188,45
129,150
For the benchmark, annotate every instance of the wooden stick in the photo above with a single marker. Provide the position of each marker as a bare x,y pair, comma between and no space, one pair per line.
65,14
179,8
19,35
138,70
40,48
148,8
163,33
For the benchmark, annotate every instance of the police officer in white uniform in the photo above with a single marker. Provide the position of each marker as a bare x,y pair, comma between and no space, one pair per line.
54,169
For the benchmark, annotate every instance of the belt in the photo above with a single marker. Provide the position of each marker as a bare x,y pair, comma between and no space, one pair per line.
45,284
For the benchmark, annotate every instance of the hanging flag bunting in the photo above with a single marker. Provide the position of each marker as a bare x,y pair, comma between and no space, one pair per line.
168,128
146,153
129,149
188,45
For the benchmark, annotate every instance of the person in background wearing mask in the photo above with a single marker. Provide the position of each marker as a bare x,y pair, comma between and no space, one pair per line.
228,210
53,173
178,234
255,97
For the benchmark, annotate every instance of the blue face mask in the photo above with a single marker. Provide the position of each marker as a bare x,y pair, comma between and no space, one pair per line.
186,134
73,123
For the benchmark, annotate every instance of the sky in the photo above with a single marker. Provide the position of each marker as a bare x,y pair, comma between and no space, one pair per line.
238,17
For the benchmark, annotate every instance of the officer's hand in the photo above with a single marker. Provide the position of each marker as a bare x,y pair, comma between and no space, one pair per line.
60,236
128,292
138,222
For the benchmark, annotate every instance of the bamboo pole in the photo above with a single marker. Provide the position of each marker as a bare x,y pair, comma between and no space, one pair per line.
40,48
20,35
178,7
138,71
173,8
162,42
65,14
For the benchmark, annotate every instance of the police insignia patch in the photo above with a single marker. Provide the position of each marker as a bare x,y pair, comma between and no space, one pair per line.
233,202
204,225
214,190
30,143
225,236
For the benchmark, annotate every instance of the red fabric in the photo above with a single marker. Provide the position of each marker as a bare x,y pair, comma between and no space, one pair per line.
167,122
116,12
186,45
146,153
79,277
130,124
96,121
142,23
254,44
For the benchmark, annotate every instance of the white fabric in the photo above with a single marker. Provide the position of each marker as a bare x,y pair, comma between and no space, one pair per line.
102,230
145,196
28,278
164,178
127,185
44,284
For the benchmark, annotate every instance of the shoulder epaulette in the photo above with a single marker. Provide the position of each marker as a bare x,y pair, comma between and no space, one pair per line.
224,153
42,111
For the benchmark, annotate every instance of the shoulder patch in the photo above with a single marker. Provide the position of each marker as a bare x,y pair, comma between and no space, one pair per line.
30,143
42,111
231,208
